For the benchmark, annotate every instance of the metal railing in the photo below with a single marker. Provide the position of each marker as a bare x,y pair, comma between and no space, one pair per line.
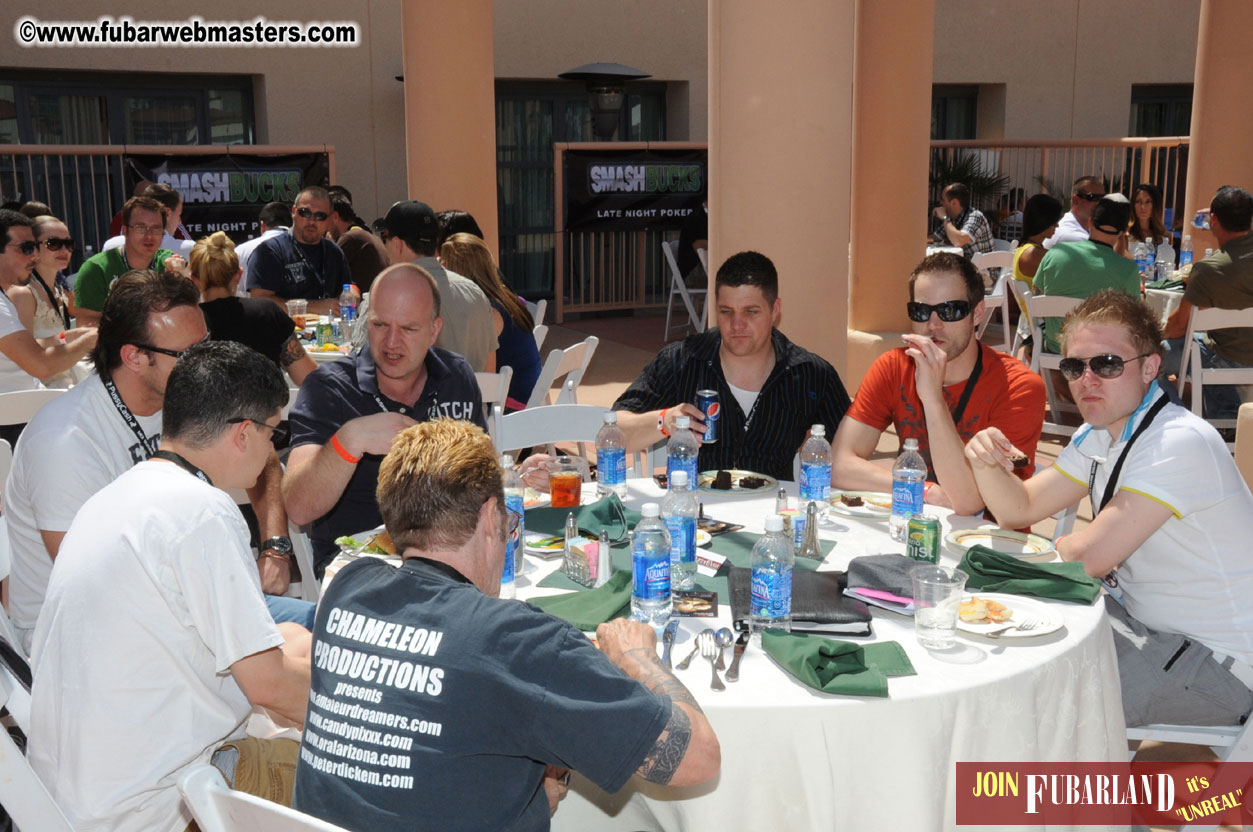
84,184
1042,166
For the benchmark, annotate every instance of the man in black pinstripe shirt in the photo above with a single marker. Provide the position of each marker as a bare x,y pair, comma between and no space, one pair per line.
771,390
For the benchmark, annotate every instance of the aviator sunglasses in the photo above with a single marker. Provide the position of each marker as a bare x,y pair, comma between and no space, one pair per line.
1103,366
949,310
320,216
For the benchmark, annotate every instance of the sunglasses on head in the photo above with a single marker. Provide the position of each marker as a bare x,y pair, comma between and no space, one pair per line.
949,310
320,216
1103,366
58,243
1091,197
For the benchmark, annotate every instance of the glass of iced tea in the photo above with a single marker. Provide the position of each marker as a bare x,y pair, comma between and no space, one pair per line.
565,481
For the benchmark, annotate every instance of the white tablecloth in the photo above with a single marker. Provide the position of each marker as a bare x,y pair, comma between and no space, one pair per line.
1163,301
794,759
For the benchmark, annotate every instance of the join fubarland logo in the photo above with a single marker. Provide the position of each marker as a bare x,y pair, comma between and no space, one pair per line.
645,179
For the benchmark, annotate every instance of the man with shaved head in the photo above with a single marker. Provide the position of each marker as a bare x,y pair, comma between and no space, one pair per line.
349,411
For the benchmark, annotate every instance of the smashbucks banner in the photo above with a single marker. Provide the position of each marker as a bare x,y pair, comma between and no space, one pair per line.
632,190
226,192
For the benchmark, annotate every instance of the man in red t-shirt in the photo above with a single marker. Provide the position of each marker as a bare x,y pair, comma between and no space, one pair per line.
941,388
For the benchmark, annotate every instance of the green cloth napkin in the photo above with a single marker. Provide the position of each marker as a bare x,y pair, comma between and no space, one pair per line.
834,666
1164,284
606,513
591,607
991,571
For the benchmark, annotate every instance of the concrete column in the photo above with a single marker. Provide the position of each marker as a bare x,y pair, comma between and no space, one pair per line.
891,144
450,107
780,118
1222,119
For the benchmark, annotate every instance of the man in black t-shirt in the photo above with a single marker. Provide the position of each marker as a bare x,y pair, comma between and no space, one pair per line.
434,702
303,264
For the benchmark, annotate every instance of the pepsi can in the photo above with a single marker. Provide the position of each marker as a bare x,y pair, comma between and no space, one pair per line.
707,401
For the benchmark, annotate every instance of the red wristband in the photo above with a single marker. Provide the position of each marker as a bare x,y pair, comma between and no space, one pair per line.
342,451
661,422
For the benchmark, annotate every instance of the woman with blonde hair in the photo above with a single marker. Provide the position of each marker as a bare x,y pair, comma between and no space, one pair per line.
256,323
470,257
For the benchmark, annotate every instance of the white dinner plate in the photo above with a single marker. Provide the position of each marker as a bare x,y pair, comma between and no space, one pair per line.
706,479
866,510
703,538
1023,608
1006,541
552,546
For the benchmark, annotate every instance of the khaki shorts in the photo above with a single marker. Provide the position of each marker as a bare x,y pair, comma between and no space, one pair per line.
264,768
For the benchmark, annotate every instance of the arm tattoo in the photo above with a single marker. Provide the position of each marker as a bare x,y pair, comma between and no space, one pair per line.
291,352
663,759
657,677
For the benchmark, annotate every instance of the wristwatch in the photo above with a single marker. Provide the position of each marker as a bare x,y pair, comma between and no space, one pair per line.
279,544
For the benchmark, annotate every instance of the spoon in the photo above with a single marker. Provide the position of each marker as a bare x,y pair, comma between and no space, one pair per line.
725,639
667,639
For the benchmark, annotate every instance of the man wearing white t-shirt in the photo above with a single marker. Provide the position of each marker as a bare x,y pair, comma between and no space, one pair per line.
155,643
23,360
1172,520
274,219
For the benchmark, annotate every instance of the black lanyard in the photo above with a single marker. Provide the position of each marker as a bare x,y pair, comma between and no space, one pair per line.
1112,485
317,273
61,309
129,418
970,386
181,462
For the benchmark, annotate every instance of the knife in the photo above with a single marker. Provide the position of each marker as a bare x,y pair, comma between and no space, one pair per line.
733,675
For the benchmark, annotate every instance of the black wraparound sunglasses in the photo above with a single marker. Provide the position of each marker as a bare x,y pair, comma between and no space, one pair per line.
1103,366
320,216
949,310
1091,197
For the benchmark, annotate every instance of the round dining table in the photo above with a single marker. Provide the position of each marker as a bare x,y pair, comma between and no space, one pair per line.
799,760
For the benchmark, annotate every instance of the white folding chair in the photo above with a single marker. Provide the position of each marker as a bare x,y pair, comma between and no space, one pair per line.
998,300
566,365
1209,320
547,425
20,407
219,808
986,261
537,310
540,332
302,550
22,794
1004,245
678,286
292,393
1232,744
494,388
1040,307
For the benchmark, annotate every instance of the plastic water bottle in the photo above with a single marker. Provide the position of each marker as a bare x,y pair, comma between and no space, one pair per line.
1141,254
909,476
347,309
513,548
816,465
1165,262
770,604
1185,253
678,512
682,450
1150,250
611,457
650,568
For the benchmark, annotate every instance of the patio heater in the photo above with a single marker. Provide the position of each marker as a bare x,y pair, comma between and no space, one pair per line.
605,85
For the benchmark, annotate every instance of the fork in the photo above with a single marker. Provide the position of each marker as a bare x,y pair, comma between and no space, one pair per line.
695,649
709,649
1025,625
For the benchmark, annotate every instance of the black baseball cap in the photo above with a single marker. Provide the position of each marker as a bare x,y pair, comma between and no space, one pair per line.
412,220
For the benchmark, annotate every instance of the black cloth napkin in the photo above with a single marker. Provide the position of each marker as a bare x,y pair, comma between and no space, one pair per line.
888,573
818,603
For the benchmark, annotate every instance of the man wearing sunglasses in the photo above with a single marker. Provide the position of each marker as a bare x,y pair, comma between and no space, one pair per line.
1084,195
155,642
102,427
941,388
1172,520
143,224
1083,268
302,264
505,699
23,360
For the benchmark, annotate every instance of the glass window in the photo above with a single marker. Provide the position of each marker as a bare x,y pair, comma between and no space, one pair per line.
648,117
8,115
953,111
68,119
161,119
230,117
1161,110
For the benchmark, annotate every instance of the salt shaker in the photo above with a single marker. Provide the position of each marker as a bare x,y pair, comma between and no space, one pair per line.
603,567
